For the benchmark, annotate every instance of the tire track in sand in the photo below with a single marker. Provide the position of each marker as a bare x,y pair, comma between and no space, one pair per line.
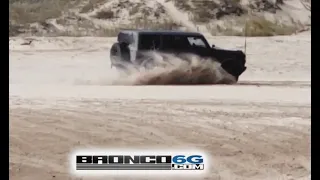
245,140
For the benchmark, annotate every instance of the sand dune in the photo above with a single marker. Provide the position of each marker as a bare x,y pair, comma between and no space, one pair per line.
62,98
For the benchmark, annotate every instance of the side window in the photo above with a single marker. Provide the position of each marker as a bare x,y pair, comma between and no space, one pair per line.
149,42
167,42
126,38
181,42
170,42
194,41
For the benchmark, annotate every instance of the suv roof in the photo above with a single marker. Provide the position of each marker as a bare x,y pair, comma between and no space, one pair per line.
162,32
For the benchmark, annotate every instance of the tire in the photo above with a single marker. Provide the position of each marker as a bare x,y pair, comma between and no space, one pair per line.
123,70
233,67
148,64
120,56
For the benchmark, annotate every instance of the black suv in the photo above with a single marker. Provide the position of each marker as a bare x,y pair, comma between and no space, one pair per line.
133,45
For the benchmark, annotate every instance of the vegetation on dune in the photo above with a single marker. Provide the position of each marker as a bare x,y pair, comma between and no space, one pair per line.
255,26
23,14
30,11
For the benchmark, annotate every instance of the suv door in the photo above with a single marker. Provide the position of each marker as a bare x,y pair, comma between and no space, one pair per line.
174,44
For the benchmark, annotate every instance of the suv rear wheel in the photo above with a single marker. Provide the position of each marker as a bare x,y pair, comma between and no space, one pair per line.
119,56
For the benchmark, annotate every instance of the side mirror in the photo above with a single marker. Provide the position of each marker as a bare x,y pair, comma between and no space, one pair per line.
213,46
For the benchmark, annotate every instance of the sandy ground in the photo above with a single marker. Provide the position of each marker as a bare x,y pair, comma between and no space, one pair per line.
61,99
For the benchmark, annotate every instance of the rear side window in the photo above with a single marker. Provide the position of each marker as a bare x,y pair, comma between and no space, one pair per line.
125,38
149,42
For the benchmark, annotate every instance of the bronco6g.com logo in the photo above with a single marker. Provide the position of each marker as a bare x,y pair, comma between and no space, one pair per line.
106,161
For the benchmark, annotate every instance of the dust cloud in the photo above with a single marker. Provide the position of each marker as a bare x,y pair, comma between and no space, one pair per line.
172,70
